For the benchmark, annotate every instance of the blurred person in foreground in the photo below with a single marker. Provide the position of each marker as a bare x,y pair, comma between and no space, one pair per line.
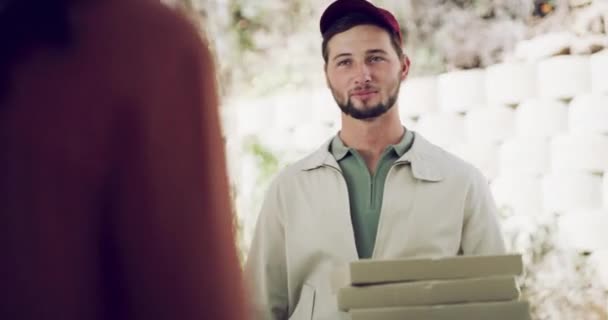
114,201
376,190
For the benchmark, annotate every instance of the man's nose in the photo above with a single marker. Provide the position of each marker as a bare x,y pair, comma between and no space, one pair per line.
363,74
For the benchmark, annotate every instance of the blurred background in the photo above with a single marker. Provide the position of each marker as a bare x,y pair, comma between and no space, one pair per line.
519,88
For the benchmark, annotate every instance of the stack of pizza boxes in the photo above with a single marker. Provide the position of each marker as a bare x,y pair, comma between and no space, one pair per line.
461,287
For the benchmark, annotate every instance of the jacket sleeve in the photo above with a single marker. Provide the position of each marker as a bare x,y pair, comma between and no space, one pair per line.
481,234
266,268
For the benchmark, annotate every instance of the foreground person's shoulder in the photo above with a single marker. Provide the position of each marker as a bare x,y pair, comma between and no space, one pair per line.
141,21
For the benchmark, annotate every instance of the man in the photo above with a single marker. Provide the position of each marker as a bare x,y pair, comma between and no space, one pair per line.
375,190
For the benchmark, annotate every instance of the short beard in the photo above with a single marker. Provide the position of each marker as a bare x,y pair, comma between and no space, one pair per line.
381,108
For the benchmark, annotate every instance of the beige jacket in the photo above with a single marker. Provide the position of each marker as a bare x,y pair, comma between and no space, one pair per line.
434,205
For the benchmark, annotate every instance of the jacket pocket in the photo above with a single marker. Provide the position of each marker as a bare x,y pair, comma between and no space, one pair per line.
306,303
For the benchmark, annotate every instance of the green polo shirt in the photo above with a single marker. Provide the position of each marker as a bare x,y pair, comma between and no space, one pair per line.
365,190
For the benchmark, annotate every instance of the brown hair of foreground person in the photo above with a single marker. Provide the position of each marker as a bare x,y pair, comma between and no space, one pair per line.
114,200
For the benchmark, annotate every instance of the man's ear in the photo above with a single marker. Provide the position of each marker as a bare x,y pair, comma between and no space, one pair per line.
405,67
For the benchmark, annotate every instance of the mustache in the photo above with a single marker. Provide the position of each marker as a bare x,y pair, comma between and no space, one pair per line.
363,88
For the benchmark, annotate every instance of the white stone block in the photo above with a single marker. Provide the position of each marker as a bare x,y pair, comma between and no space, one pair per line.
233,151
309,137
567,191
544,45
579,152
589,113
599,72
510,83
323,106
563,77
443,129
588,43
482,155
291,109
525,155
599,258
491,124
228,120
409,123
605,190
248,178
541,118
460,91
518,192
584,230
253,116
276,140
418,96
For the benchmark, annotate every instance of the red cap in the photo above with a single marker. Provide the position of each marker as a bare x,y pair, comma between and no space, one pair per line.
340,8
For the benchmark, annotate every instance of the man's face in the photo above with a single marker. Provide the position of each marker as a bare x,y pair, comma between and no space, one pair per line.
364,72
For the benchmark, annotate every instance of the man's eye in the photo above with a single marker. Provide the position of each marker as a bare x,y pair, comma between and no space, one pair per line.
376,59
344,63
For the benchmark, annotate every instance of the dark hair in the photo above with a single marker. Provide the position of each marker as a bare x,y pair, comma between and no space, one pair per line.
353,20
28,23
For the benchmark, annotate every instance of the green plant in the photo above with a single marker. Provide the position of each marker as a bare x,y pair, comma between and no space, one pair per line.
268,162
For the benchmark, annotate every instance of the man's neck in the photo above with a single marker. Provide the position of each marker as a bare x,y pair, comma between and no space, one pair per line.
371,138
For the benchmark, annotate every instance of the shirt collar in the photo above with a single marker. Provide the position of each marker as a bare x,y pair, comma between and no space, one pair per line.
426,159
340,150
